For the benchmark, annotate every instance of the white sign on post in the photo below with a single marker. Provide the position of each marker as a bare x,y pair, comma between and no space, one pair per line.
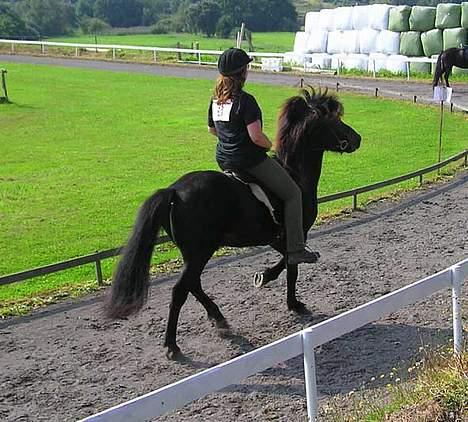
442,93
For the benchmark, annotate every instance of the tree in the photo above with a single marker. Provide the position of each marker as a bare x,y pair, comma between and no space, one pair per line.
93,26
119,13
10,23
50,17
85,8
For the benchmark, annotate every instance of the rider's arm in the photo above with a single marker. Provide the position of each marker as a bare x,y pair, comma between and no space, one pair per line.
257,135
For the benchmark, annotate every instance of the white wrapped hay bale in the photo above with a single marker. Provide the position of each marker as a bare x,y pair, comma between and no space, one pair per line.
388,42
320,61
356,61
337,61
335,42
294,59
350,42
378,16
317,41
360,17
377,62
272,64
300,42
326,20
396,63
368,40
311,21
343,18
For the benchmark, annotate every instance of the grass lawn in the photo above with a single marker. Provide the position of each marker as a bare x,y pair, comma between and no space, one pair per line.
81,149
272,42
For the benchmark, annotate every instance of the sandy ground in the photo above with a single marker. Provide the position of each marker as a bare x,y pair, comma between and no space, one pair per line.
66,362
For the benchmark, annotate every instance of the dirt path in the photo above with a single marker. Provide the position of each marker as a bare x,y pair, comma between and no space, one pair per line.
392,88
65,362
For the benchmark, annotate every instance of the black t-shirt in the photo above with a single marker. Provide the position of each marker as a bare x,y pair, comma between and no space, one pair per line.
235,149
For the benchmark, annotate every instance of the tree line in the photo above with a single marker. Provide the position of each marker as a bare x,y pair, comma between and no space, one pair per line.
39,18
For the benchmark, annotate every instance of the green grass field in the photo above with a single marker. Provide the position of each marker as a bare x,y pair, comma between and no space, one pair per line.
80,150
273,42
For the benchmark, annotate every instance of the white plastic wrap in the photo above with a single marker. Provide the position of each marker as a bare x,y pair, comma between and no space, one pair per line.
300,42
311,21
326,20
368,40
350,42
388,42
335,42
294,59
317,41
378,16
360,17
356,61
377,61
396,63
272,64
343,18
337,61
320,61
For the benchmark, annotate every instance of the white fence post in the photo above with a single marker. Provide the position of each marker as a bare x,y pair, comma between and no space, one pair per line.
310,375
457,276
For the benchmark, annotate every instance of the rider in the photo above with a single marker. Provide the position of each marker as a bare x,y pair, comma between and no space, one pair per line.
236,119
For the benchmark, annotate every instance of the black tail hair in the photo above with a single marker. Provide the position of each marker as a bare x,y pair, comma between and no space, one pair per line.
130,284
438,71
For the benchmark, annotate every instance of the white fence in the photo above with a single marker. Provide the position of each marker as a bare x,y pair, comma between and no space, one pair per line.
114,48
304,342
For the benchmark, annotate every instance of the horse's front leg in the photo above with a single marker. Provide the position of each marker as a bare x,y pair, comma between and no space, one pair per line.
293,303
261,279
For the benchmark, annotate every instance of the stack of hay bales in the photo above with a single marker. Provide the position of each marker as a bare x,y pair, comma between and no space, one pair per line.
379,36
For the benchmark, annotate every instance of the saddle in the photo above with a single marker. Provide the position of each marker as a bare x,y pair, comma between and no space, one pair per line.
253,184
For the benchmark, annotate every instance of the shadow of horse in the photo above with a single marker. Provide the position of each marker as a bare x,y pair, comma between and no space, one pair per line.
445,62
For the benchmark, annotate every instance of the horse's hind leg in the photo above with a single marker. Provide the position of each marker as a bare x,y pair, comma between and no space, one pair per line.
190,276
447,74
261,279
211,308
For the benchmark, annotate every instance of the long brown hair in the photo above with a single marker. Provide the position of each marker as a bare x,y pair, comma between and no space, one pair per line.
229,87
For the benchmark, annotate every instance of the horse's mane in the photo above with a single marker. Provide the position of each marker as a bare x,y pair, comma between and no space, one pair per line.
297,119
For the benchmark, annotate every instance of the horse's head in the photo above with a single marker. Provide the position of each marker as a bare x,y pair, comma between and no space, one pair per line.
312,122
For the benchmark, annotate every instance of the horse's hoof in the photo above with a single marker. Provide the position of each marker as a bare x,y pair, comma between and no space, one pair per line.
224,330
173,353
258,280
298,308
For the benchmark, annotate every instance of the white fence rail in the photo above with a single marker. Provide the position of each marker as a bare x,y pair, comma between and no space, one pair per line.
174,396
197,52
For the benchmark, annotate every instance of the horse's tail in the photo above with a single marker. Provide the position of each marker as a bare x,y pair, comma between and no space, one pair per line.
438,71
130,284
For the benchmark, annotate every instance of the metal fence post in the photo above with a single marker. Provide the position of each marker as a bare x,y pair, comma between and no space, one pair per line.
310,375
456,306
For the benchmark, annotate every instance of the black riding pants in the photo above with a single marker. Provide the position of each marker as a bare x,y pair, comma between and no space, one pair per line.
277,179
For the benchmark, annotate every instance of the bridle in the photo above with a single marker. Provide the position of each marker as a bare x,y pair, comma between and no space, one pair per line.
342,143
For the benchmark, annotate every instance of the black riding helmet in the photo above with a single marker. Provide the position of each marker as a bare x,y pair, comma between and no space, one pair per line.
232,61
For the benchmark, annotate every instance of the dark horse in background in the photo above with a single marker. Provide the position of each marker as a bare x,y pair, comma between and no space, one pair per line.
205,210
446,60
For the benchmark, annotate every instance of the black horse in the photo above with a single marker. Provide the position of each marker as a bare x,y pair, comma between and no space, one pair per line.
205,210
446,60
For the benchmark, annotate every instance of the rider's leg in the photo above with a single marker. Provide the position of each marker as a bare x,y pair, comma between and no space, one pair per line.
277,179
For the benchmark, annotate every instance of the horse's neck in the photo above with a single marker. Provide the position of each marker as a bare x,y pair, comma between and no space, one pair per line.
311,176
308,178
